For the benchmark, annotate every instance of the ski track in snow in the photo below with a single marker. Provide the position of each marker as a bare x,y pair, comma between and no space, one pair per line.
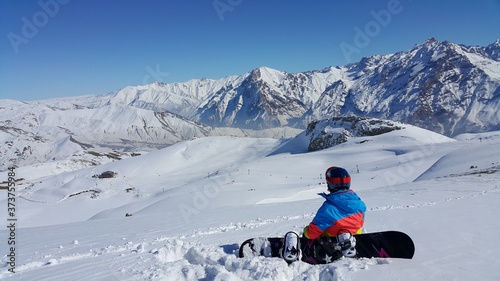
433,203
179,260
195,260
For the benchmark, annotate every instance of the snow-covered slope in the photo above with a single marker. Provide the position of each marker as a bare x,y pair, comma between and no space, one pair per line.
190,204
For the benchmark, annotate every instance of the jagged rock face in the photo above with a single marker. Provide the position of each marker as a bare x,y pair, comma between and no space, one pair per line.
264,99
444,87
336,130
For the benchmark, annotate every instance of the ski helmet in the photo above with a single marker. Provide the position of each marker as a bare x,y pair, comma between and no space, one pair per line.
337,178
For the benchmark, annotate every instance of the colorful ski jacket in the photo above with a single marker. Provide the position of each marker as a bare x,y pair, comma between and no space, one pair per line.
342,210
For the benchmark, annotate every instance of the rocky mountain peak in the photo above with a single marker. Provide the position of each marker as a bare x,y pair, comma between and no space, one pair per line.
336,130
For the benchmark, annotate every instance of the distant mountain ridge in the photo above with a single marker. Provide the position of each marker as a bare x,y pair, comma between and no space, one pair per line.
91,131
441,86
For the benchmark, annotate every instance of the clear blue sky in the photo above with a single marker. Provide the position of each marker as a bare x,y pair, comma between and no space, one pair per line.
59,48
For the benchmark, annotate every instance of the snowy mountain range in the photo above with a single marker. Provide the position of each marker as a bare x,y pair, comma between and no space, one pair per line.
441,86
91,131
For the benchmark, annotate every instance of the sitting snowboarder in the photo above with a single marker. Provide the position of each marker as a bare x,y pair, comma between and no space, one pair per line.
340,216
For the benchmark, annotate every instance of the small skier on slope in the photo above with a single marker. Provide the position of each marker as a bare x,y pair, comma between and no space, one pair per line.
341,215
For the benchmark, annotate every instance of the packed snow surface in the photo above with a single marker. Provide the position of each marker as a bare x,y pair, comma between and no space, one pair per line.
180,213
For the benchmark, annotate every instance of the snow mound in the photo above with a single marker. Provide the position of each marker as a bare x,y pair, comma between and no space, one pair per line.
190,261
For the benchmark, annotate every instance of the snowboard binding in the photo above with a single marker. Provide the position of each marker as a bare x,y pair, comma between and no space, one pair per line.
346,243
291,247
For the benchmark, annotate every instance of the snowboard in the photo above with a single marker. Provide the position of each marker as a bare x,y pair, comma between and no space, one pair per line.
386,244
